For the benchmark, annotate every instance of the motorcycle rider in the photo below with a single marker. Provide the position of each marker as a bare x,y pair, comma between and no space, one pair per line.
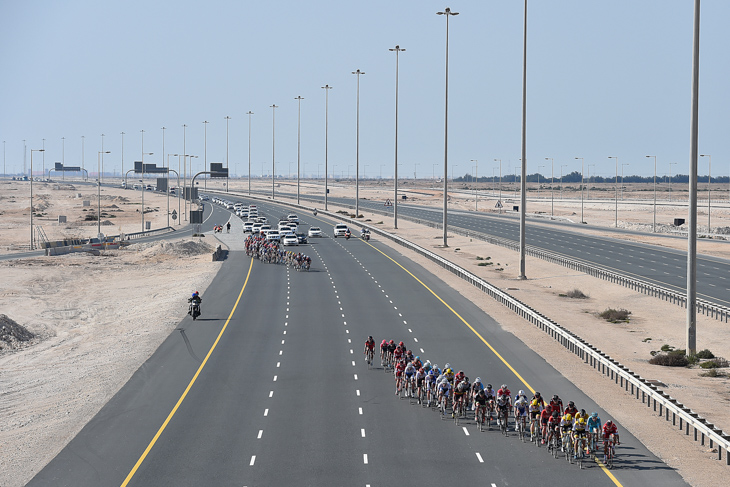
195,299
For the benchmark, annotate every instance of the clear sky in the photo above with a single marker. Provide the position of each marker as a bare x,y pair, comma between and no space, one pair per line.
603,78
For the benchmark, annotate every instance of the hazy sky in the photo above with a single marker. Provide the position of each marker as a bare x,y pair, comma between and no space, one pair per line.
603,78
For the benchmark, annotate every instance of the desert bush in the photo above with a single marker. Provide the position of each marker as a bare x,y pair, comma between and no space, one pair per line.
576,294
712,373
705,354
667,348
669,360
615,315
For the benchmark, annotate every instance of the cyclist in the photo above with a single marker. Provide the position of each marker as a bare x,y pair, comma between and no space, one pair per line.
417,362
449,374
503,405
571,409
594,428
491,397
480,404
545,416
391,351
535,411
553,425
443,390
369,348
610,434
383,352
410,372
398,353
409,355
557,404
504,391
520,411
436,370
521,394
566,426
582,414
475,388
540,400
427,366
430,386
399,367
579,435
461,387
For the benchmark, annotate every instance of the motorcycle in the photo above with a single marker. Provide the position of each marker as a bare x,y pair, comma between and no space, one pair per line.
315,212
194,310
365,236
347,236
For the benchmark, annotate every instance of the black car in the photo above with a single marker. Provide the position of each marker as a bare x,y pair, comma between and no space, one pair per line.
302,238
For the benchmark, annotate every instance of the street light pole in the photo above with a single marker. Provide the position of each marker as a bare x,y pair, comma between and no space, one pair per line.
581,188
397,51
123,173
98,185
448,13
185,172
552,184
709,193
326,89
32,240
273,146
357,149
691,343
616,186
205,149
654,193
144,187
523,182
299,140
249,113
227,169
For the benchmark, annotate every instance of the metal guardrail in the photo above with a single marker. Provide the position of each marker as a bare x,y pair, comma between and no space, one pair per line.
649,393
148,233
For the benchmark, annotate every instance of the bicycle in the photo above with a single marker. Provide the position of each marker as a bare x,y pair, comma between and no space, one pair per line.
608,452
580,452
567,447
369,358
521,427
442,406
481,410
502,419
555,444
458,410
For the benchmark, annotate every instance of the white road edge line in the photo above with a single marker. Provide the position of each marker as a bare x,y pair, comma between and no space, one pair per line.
481,460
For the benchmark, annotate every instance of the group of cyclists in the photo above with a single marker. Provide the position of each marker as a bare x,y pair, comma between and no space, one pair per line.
270,252
547,422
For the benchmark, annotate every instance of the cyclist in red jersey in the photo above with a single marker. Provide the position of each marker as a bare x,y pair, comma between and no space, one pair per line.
610,430
399,368
369,347
557,404
544,420
571,409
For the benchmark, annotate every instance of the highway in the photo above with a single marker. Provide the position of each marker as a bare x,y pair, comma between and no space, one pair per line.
659,265
270,387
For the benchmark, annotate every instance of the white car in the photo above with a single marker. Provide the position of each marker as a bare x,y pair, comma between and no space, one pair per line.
283,226
340,230
293,218
273,235
314,232
290,239
248,227
256,228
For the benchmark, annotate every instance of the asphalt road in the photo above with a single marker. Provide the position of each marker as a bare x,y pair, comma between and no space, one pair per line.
659,265
270,387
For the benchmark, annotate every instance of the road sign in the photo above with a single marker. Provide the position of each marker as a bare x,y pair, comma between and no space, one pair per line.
174,215
498,205
388,203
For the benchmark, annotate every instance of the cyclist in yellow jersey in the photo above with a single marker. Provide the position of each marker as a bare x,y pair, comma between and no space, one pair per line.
582,414
579,433
566,427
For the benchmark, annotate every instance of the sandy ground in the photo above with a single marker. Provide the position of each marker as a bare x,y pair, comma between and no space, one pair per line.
50,389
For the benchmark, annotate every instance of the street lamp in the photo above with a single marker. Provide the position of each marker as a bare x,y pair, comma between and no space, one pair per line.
670,179
476,194
448,13
709,199
168,186
357,149
299,139
205,149
122,134
397,51
102,155
654,192
273,146
98,184
227,170
616,187
32,246
581,188
249,113
552,185
326,89
452,172
144,188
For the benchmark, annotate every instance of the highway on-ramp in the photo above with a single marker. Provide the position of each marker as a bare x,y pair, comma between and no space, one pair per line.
270,387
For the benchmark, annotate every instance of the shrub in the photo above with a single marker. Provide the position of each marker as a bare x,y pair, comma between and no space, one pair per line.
480,258
705,354
576,294
667,348
710,364
669,360
712,373
615,315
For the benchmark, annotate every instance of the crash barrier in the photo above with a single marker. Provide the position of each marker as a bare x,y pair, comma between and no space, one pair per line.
704,307
94,247
640,388
147,233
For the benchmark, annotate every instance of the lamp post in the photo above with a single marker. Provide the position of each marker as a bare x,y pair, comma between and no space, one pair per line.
326,89
654,193
205,149
691,343
102,157
98,185
561,181
168,187
357,148
249,113
273,146
552,184
476,194
32,245
44,158
185,171
581,188
709,194
448,13
227,170
144,188
500,185
415,170
616,186
670,179
397,51
122,134
523,182
299,140
622,179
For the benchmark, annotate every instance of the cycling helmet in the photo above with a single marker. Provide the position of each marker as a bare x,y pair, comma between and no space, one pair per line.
392,342
504,386
448,365
583,412
418,357
594,414
609,422
480,392
520,401
555,414
384,342
466,379
568,417
478,380
421,370
449,371
431,372
548,408
571,404
521,393
534,402
537,394
489,386
409,352
582,420
556,398
400,344
370,338
460,373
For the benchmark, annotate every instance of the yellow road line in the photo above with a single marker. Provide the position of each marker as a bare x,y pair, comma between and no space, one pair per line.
187,389
610,475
